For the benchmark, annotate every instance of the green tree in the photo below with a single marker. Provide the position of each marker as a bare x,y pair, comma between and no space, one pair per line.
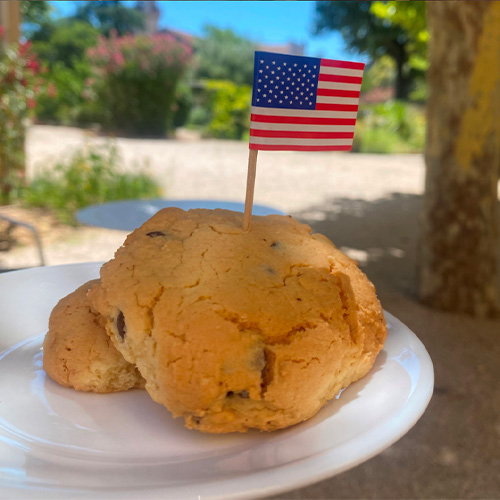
35,11
111,16
377,28
64,41
223,55
37,19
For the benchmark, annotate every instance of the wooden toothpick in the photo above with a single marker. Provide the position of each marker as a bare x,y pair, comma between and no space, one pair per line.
252,169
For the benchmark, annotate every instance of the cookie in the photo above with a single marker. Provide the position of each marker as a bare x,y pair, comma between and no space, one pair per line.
77,351
235,330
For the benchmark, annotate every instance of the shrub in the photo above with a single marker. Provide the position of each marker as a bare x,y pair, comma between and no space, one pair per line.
136,80
391,127
222,109
20,85
62,45
90,176
68,96
230,109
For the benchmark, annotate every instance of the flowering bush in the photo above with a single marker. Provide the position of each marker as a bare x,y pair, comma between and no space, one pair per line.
136,79
20,85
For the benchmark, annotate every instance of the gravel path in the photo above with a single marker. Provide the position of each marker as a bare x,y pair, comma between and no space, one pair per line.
211,169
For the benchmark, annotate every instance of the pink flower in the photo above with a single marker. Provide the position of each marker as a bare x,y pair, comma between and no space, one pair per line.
30,102
118,59
24,48
33,65
51,90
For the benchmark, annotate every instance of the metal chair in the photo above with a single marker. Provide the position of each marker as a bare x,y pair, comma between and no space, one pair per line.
15,222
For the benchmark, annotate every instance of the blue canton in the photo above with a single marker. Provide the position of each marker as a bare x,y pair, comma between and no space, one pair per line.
283,81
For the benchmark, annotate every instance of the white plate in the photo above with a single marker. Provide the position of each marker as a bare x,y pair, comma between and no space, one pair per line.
56,443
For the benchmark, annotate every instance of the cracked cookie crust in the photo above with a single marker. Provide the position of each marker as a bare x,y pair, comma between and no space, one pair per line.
235,330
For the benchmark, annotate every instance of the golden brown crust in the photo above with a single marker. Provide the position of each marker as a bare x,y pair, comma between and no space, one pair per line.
235,330
77,351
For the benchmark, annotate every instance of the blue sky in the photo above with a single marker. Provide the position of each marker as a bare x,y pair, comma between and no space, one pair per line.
267,22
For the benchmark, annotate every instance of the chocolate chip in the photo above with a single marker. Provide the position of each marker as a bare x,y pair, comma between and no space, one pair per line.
275,244
153,234
242,394
270,270
120,325
197,420
267,373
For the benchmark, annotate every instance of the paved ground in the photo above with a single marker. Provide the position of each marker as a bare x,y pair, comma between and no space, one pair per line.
368,205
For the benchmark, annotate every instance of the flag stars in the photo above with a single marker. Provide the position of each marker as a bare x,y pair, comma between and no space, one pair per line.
277,87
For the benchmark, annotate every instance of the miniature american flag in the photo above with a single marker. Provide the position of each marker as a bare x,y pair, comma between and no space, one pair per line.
304,103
